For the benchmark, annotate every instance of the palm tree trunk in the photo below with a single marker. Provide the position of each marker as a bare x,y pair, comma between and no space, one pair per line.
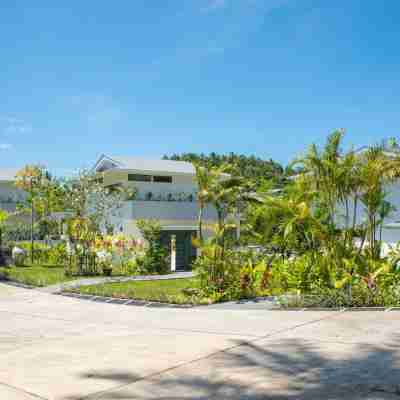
346,237
221,226
355,211
32,221
200,222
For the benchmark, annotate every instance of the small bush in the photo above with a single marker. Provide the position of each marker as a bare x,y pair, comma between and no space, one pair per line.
156,258
45,254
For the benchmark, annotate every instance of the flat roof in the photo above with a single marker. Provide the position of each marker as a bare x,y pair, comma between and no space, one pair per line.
148,165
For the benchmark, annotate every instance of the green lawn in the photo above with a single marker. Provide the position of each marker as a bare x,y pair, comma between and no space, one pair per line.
37,275
42,275
167,291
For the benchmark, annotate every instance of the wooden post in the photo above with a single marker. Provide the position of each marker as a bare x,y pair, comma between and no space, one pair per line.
173,252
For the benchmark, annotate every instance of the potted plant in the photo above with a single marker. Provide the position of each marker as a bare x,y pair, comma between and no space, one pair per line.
105,262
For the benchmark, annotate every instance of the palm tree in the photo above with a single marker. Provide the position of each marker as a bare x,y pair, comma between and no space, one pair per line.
323,171
205,179
377,169
224,191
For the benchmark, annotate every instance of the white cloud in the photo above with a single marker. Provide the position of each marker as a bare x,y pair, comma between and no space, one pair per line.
5,146
10,125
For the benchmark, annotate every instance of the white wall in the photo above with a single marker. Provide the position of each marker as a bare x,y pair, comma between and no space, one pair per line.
168,210
170,215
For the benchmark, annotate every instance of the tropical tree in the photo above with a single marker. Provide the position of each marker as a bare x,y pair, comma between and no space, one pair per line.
221,189
205,179
32,179
87,197
324,173
377,170
4,215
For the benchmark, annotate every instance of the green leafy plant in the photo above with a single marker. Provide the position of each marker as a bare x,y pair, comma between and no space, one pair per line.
156,258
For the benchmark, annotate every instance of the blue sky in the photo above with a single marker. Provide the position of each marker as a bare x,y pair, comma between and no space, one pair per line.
149,77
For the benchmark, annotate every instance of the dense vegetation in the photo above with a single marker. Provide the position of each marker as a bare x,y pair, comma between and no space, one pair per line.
249,167
318,238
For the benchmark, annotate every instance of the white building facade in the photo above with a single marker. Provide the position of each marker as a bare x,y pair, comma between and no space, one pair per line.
166,191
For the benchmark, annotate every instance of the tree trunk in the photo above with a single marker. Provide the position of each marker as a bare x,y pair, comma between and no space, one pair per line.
32,221
355,205
200,222
221,226
346,204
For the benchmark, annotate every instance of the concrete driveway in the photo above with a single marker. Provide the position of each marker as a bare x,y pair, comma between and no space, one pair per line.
53,347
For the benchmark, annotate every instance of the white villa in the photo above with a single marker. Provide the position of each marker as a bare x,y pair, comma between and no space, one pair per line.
166,191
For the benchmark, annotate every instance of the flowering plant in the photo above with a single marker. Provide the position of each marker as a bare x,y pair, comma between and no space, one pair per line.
118,251
104,257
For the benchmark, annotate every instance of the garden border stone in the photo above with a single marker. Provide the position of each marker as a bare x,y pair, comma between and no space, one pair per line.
126,302
145,303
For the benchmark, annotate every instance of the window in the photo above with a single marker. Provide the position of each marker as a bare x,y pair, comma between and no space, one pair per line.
139,178
163,179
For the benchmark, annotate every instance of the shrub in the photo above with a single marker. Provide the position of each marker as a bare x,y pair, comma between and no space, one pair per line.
46,254
229,274
318,281
155,258
19,231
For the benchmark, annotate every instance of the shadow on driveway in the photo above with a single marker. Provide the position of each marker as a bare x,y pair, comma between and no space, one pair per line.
287,369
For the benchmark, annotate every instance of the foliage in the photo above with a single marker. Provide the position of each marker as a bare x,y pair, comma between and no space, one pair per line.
226,191
251,168
89,199
225,273
4,215
19,231
46,254
119,252
32,179
312,233
156,257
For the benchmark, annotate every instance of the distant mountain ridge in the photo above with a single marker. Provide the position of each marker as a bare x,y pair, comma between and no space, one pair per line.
251,167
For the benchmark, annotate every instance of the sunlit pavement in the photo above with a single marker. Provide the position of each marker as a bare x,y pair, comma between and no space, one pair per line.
54,347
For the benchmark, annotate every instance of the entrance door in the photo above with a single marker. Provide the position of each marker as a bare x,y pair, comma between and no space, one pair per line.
185,251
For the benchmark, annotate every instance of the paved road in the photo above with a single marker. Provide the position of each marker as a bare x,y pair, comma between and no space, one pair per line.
53,347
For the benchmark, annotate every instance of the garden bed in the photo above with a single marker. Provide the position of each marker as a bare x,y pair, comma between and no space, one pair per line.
175,291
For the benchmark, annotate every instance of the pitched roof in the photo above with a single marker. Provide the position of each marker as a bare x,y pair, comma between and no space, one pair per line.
8,174
146,165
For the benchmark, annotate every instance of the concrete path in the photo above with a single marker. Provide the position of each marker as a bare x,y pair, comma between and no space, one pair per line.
54,347
59,287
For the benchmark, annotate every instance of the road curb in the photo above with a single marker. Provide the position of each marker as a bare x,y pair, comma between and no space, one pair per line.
125,302
155,304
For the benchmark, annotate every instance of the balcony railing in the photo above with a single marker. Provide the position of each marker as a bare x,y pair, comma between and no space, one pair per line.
174,197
